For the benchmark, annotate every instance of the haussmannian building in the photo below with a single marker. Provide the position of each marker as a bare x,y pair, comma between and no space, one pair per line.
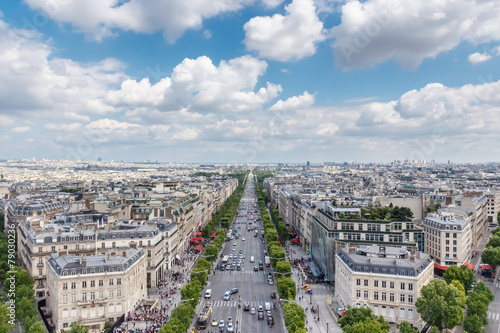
387,279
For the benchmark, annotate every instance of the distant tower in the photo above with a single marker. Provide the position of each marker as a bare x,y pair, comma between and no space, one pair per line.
308,164
99,159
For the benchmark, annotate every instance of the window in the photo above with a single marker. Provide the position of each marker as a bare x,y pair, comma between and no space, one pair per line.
447,234
111,294
410,313
447,248
447,242
401,312
73,285
392,284
101,294
391,297
77,247
84,297
454,249
101,283
65,247
66,325
358,282
103,245
40,260
410,286
119,293
39,250
92,283
65,286
113,245
53,249
410,299
110,282
366,283
65,299
402,286
360,226
384,297
375,283
84,284
92,296
384,284
375,295
402,298
454,242
119,281
73,297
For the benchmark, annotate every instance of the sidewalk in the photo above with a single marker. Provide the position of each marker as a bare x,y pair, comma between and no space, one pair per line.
321,297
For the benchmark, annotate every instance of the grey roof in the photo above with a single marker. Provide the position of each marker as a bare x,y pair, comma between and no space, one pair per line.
387,260
72,265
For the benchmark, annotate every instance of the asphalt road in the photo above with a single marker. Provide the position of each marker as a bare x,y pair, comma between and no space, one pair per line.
253,286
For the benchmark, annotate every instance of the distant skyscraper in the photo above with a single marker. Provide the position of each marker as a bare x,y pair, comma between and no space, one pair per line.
99,159
308,163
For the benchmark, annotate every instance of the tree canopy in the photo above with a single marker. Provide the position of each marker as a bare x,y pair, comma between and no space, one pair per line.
462,274
362,320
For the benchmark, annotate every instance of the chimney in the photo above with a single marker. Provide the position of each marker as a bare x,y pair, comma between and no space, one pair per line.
81,260
59,231
133,245
106,258
412,258
113,253
124,253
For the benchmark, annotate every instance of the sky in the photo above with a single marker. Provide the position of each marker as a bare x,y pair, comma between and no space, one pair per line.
250,81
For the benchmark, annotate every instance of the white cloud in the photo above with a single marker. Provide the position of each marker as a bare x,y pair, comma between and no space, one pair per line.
476,58
207,34
375,31
34,82
102,18
295,102
21,129
199,85
63,127
496,51
286,37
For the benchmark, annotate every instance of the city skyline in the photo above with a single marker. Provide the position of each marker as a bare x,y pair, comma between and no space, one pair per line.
250,81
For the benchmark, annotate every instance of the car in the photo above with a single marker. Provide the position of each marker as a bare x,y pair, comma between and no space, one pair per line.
222,267
261,267
241,251
221,323
233,267
234,249
252,310
242,238
230,327
233,291
246,307
273,295
270,321
215,322
230,319
227,294
234,243
270,281
265,252
269,275
260,315
268,313
305,287
256,269
238,268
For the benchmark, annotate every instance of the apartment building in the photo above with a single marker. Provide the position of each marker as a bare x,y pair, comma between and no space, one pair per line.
38,238
94,289
387,279
493,206
448,237
18,210
478,204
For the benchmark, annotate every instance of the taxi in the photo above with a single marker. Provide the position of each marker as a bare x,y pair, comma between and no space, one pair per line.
305,287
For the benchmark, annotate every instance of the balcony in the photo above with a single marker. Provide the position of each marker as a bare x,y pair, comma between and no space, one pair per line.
39,265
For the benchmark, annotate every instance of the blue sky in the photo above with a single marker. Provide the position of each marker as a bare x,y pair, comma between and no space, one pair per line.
250,80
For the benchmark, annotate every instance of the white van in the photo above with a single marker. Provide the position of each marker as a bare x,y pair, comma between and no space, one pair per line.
252,259
208,293
267,306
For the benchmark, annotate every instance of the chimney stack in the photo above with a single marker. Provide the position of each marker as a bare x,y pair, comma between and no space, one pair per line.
81,260
133,245
125,253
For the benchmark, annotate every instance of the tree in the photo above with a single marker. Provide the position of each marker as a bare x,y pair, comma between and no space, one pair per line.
462,274
371,325
483,289
284,267
4,319
460,288
77,327
474,324
494,241
211,253
405,327
286,287
491,256
477,304
440,305
37,327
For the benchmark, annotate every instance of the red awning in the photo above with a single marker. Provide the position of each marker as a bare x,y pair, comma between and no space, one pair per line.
198,234
295,240
213,235
471,266
198,248
486,267
443,268
196,240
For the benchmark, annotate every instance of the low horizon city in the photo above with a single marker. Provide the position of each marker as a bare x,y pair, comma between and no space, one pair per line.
249,166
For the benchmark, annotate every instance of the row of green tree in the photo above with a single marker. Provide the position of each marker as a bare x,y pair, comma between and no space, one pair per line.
24,295
442,303
226,212
293,313
491,253
388,213
361,319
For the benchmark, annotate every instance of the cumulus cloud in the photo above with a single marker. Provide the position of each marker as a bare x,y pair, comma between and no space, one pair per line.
199,85
294,102
33,81
286,37
63,127
375,31
21,129
102,18
476,58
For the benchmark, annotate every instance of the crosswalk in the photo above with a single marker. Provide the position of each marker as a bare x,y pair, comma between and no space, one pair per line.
231,304
242,272
493,315
497,285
